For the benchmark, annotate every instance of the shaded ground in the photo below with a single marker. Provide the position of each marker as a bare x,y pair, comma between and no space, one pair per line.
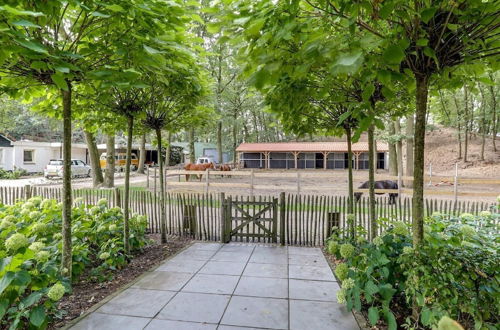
87,293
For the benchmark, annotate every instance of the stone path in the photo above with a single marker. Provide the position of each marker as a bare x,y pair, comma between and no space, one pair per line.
229,287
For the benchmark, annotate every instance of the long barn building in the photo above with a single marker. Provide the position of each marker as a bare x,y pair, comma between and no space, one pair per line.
308,155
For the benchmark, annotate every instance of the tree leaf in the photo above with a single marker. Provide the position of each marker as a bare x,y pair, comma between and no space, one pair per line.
37,316
386,10
373,315
254,28
4,304
393,54
391,320
427,14
32,299
60,82
115,8
371,288
213,28
17,12
26,23
152,50
33,46
425,317
99,14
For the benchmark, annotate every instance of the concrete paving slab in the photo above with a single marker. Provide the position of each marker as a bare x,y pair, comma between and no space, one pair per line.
313,290
161,280
195,307
257,312
218,284
231,256
275,259
182,266
311,260
320,315
111,322
223,268
305,251
178,325
205,246
262,287
266,270
195,254
311,273
230,327
137,302
238,248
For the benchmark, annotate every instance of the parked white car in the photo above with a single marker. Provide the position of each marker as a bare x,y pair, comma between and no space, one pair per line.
205,160
78,168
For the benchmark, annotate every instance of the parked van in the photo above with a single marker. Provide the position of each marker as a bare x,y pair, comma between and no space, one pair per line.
120,161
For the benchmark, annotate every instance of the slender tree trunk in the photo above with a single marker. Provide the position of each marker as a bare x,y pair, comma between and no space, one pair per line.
466,115
97,178
169,149
110,161
66,262
142,154
494,117
219,142
418,175
192,156
350,204
126,199
371,179
399,146
483,122
410,131
235,142
393,155
163,224
459,127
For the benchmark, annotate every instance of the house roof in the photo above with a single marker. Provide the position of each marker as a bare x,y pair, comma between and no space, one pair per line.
34,144
308,147
5,141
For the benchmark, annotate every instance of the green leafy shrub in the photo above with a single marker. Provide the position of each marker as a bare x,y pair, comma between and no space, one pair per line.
453,273
30,254
11,175
456,271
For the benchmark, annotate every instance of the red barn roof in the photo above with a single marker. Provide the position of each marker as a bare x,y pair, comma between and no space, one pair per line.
308,147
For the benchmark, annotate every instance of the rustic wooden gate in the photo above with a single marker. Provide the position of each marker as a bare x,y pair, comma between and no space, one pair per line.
250,221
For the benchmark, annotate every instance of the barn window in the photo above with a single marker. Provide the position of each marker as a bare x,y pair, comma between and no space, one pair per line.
28,156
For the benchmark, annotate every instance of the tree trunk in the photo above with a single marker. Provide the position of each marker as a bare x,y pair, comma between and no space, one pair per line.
126,231
399,146
494,119
110,161
350,204
466,115
219,142
371,179
418,175
459,126
393,155
410,131
192,156
235,142
163,224
142,154
66,262
169,149
483,122
97,178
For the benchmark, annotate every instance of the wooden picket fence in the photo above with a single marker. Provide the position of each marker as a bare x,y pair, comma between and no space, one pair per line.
306,219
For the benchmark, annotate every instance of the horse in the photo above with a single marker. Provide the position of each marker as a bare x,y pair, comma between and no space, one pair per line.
225,168
198,167
384,184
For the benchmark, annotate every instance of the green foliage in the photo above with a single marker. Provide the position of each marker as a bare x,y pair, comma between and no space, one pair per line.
15,174
453,273
30,254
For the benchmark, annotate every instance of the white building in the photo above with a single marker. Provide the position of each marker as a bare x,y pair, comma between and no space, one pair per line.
34,156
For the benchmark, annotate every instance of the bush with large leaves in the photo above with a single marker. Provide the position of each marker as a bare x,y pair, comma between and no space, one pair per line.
30,254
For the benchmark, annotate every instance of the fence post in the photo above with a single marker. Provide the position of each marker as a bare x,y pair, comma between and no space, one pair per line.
166,179
222,217
27,191
455,188
282,218
252,177
332,221
147,176
298,183
207,181
118,202
400,183
154,180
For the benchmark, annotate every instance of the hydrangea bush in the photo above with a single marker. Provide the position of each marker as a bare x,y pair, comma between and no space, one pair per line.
454,273
30,254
